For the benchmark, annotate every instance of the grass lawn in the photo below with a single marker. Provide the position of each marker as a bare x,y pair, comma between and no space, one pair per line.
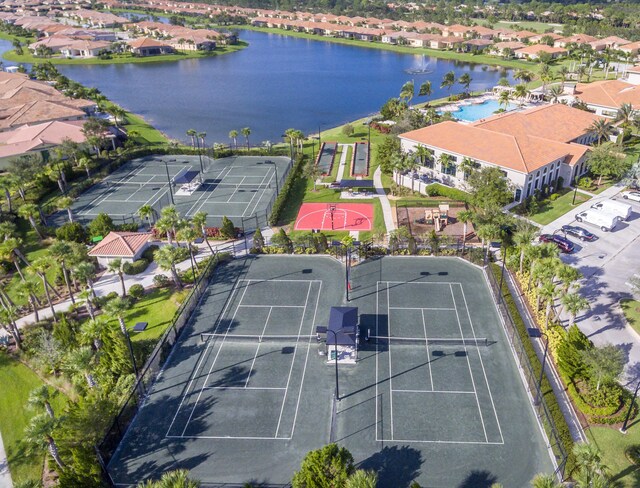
146,133
532,26
17,381
612,443
122,59
550,211
631,310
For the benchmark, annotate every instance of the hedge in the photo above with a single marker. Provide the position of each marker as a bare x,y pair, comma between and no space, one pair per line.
285,190
552,402
136,267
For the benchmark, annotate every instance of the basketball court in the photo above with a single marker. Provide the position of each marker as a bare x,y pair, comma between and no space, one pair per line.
335,216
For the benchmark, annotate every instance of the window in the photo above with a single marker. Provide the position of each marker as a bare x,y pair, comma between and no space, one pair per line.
449,169
518,194
528,189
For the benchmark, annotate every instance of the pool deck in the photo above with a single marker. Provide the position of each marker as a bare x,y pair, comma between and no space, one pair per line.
479,100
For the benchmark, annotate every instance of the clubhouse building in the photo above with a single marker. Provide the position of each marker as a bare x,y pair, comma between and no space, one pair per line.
533,147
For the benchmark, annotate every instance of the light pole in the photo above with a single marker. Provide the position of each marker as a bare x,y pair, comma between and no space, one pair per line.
133,358
335,343
319,136
166,167
537,333
623,429
504,261
275,168
347,271
575,190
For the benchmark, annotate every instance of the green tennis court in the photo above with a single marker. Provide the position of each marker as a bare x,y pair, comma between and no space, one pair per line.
435,396
242,188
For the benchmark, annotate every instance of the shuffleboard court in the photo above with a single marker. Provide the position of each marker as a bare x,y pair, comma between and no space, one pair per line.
242,188
360,159
339,216
326,155
435,396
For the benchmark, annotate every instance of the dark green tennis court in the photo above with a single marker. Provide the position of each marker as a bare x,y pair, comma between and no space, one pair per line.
242,188
435,396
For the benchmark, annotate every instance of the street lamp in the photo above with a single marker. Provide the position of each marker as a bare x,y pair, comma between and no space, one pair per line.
166,167
504,261
575,190
537,333
275,168
623,429
319,137
123,328
335,344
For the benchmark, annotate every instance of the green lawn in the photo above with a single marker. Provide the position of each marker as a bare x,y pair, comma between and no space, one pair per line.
532,26
147,134
612,443
17,381
550,211
631,310
124,58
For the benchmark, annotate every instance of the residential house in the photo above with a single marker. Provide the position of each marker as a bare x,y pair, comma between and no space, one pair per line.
127,246
546,35
606,96
145,46
631,49
533,51
614,42
532,148
85,49
499,48
575,39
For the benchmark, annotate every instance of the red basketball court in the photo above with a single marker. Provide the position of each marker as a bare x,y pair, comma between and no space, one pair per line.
335,216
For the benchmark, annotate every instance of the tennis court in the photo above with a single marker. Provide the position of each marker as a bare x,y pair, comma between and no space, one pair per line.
435,396
242,188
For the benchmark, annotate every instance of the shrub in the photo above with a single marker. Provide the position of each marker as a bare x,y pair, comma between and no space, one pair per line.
136,267
227,230
136,291
437,190
133,227
585,183
347,130
71,231
285,190
553,197
101,225
161,280
148,253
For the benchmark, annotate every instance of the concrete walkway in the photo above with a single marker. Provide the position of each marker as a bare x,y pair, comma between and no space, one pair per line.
343,161
5,475
384,201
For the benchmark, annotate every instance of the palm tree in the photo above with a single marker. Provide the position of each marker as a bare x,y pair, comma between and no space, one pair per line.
40,266
8,316
146,212
545,481
362,479
234,136
625,115
504,82
116,266
64,203
201,136
425,89
602,128
199,221
504,99
85,163
407,91
445,160
7,184
29,211
522,239
246,131
40,397
87,297
464,216
171,215
486,233
423,154
465,80
172,479
563,72
165,226
85,272
574,304
189,235
92,330
167,257
10,250
590,465
521,92
448,81
81,363
192,133
547,292
555,92
63,253
38,434
117,308
28,289
581,71
523,75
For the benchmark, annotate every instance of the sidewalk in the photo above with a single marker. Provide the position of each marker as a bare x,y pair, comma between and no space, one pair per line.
384,201
343,161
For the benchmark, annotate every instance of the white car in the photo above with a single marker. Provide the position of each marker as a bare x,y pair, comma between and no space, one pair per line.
631,195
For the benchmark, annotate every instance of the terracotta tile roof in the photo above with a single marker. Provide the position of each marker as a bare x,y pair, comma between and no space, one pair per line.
120,244
520,141
30,137
146,42
615,40
609,93
536,48
578,39
499,46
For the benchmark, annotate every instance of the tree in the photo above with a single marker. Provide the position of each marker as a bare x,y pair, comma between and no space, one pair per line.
604,160
523,75
85,163
545,481
465,80
555,92
348,130
227,229
246,132
525,233
64,203
233,135
63,253
464,216
172,479
95,131
189,235
146,212
602,129
489,189
625,115
504,99
93,330
29,211
425,89
23,169
407,91
29,289
329,466
101,225
604,363
39,435
40,397
448,81
8,316
282,239
117,266
85,272
192,133
313,171
40,266
10,251
570,352
574,304
521,92
199,221
80,362
258,239
168,257
362,479
592,472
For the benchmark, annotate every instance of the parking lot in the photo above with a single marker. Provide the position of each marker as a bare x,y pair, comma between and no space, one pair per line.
607,264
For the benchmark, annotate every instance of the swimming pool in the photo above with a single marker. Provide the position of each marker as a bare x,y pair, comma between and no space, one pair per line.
473,112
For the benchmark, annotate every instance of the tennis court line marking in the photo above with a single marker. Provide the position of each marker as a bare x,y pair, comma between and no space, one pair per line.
421,308
266,322
243,387
248,438
389,355
293,360
377,353
256,193
220,176
426,341
473,381
215,359
481,443
271,306
464,297
453,392
194,373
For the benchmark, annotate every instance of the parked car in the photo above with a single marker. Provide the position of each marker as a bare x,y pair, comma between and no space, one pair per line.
579,232
605,221
631,195
618,209
564,244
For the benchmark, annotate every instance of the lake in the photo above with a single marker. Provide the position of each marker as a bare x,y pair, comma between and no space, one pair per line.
278,82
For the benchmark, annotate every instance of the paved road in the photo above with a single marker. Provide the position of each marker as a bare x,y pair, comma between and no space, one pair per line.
607,264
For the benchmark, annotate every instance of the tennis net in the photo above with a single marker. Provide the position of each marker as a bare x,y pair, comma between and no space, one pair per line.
213,184
255,338
154,181
435,341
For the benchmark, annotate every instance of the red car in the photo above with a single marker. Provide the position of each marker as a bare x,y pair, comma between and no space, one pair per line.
564,244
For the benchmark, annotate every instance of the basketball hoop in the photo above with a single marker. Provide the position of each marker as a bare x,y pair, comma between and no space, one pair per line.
331,208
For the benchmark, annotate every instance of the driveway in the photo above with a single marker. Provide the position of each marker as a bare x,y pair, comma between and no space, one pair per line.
607,264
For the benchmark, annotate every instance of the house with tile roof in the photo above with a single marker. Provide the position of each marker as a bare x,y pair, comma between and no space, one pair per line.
127,246
145,46
533,148
605,97
533,51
